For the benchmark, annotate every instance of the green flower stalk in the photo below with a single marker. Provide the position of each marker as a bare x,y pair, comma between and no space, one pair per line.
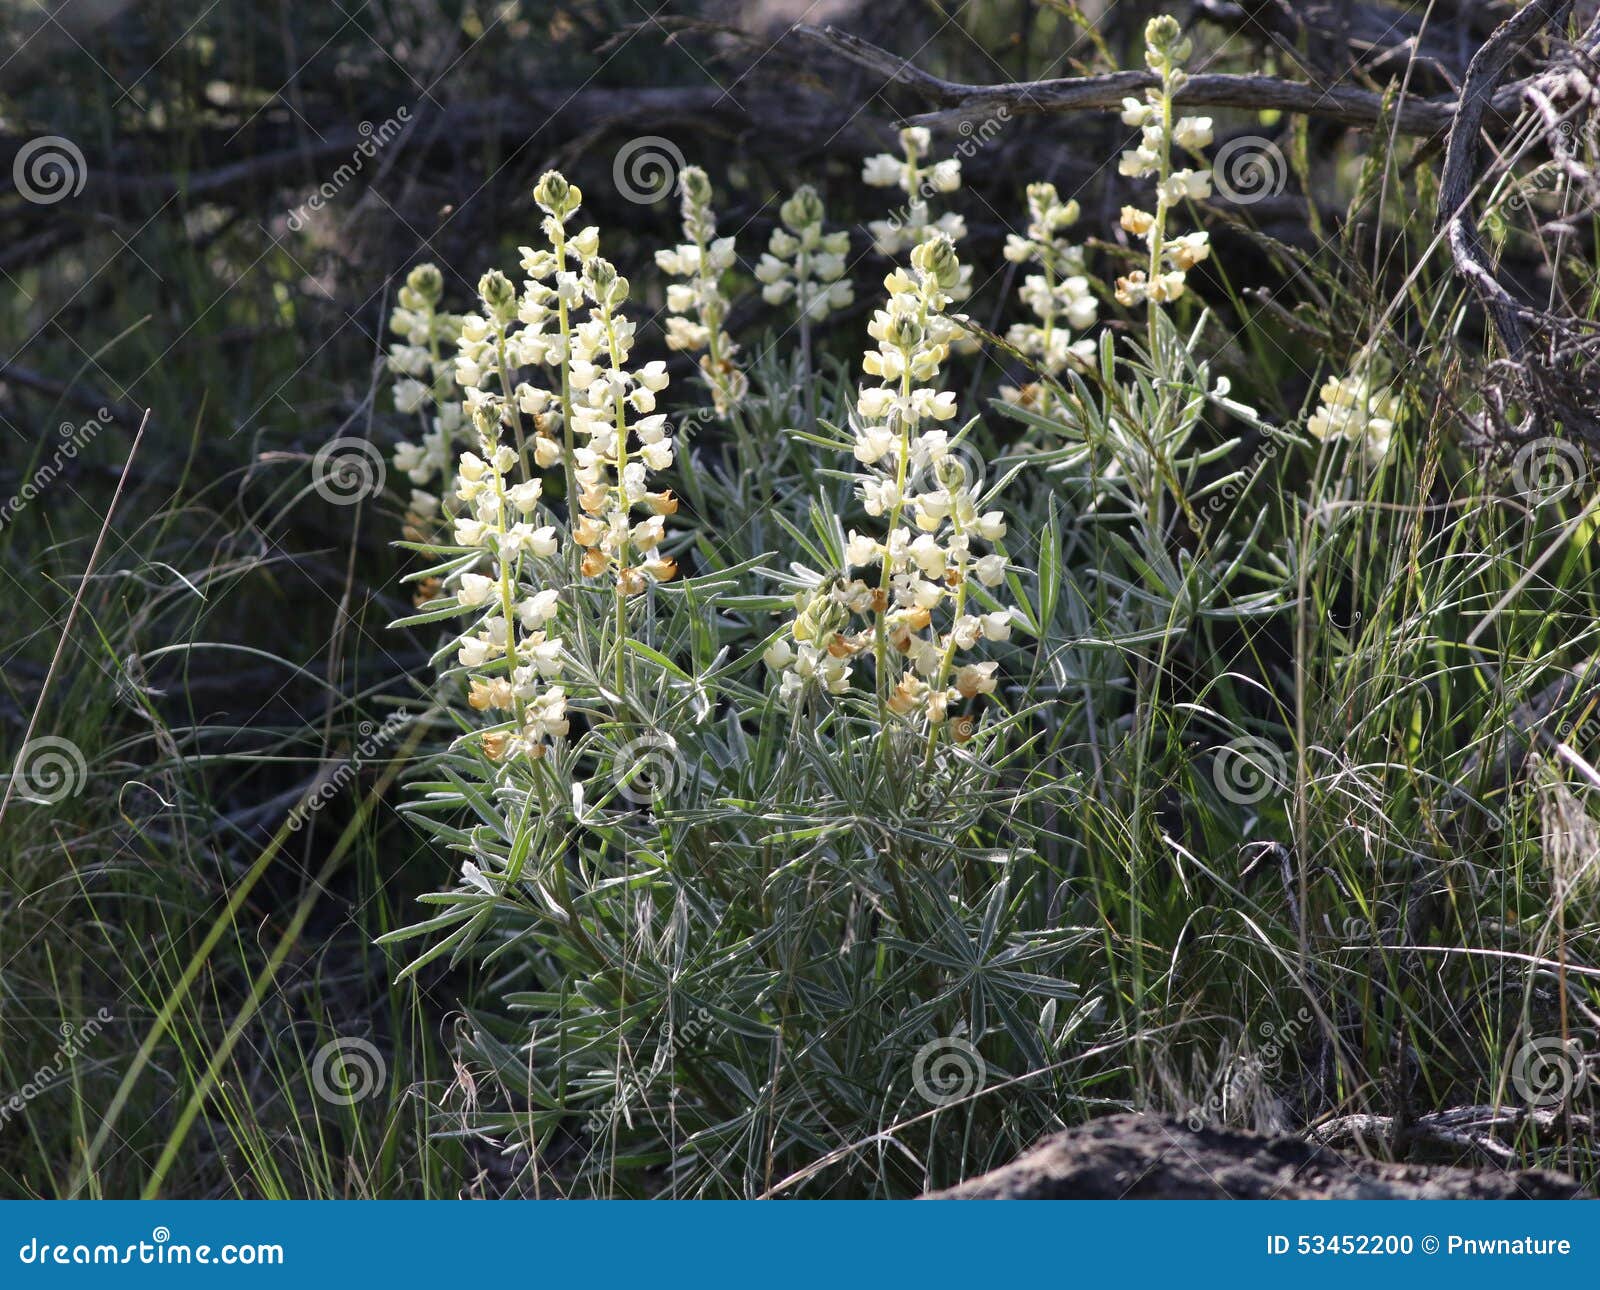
699,306
1169,259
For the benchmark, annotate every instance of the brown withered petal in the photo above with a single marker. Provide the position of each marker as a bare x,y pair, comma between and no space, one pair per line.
901,698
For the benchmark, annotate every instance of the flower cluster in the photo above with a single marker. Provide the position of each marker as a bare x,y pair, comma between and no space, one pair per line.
509,653
803,262
699,307
912,472
1058,294
1357,409
920,178
1170,258
613,463
514,330
423,380
512,659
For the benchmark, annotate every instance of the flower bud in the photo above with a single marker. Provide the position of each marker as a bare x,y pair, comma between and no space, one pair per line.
936,258
903,332
600,272
694,185
554,194
1162,32
427,282
498,295
803,209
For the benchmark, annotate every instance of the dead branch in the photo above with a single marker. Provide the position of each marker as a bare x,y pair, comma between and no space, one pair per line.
956,100
1514,322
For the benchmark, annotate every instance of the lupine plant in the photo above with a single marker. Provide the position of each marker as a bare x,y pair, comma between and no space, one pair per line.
805,266
786,790
920,178
812,829
699,306
1058,294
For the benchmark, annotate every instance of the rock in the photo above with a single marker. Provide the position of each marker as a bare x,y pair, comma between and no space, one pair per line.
1149,1157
